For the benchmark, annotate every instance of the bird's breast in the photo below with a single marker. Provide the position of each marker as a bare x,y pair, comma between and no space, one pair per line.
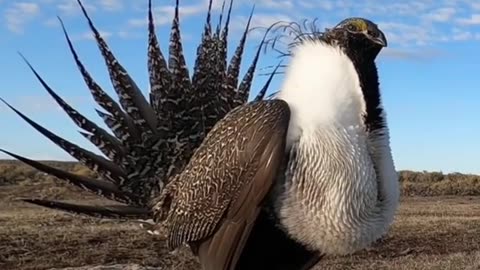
328,198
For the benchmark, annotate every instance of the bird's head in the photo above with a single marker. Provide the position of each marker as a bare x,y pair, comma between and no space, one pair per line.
357,34
335,68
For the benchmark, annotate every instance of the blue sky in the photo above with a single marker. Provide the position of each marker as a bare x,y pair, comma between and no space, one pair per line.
430,73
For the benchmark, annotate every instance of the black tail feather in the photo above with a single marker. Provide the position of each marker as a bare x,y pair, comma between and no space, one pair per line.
244,88
160,76
226,28
220,19
221,34
117,156
201,81
121,124
264,89
102,188
208,24
104,167
110,211
108,144
131,98
176,61
236,61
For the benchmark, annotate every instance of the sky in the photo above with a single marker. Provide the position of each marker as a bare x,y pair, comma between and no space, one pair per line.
429,74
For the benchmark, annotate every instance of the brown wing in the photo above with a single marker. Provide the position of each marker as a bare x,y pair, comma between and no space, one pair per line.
220,192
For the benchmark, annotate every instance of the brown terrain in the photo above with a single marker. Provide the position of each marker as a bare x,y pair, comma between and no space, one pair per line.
437,227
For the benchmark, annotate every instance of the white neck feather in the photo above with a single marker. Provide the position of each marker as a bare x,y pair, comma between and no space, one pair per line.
322,87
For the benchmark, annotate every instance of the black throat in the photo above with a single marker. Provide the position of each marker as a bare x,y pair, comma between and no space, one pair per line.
368,77
362,53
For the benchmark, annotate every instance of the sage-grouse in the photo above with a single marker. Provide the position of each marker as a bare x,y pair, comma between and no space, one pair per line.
269,184
316,158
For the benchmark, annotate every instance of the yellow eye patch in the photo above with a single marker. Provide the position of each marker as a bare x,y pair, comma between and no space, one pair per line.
360,24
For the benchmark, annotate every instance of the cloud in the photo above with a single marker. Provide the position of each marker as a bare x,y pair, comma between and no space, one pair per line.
404,8
88,35
139,22
324,5
260,20
70,8
111,5
129,34
52,22
473,20
441,15
475,5
403,54
266,20
164,14
20,14
462,35
410,23
282,4
259,23
402,33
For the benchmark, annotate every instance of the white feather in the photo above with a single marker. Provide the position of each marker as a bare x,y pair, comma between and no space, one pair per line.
322,87
329,199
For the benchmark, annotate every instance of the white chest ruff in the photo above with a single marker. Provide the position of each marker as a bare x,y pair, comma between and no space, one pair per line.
329,201
329,198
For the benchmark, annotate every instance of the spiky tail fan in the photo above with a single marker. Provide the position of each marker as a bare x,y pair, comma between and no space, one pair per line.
150,140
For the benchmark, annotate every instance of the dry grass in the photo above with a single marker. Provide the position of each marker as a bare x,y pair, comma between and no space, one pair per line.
429,233
35,238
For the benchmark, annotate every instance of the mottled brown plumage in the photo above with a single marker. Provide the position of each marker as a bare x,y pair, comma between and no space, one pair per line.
213,204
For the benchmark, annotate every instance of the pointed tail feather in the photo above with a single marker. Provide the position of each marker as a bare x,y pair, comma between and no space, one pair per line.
109,211
216,103
176,61
131,98
244,88
227,23
205,81
102,188
106,147
236,61
264,89
160,76
219,25
104,167
223,37
120,123
105,142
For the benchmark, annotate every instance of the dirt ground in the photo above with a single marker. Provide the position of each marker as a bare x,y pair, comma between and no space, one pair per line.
429,233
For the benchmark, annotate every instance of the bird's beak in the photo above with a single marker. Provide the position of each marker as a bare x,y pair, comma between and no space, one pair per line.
380,39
